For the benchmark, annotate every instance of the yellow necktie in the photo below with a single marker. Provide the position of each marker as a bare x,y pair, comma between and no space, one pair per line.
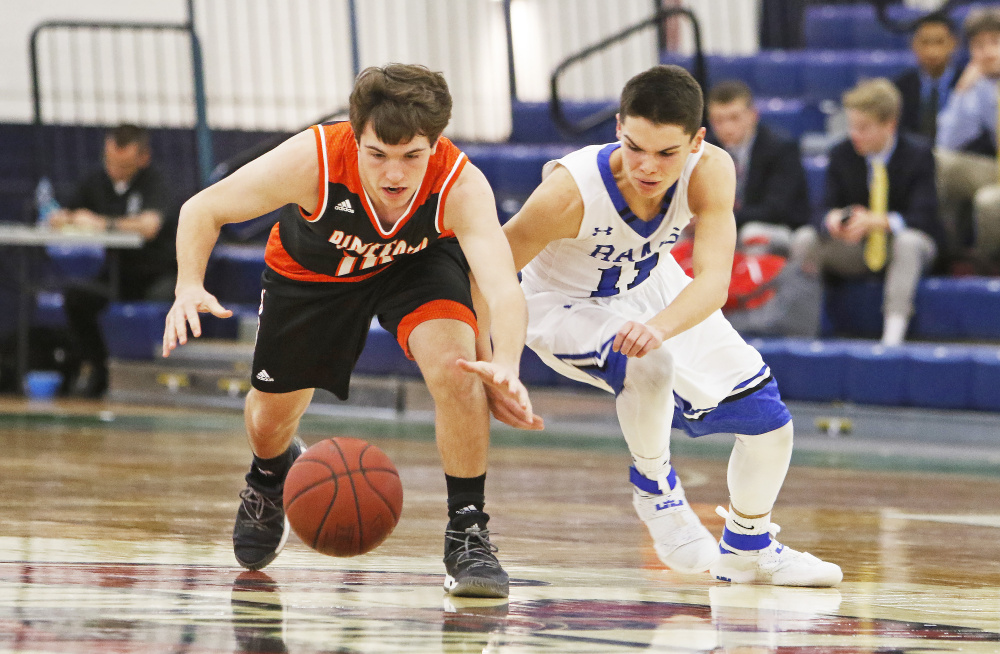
878,203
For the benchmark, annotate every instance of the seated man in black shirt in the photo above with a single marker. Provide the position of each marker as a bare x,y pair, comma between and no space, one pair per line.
126,194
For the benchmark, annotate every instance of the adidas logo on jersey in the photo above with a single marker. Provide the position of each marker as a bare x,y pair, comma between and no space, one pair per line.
263,376
344,205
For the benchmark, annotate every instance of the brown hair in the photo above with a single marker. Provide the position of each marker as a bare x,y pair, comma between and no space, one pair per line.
986,19
877,97
127,134
665,95
730,90
401,101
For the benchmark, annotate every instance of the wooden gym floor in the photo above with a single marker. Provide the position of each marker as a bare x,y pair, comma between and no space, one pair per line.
115,537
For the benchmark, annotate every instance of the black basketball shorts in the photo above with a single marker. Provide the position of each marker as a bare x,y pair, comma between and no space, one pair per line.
310,334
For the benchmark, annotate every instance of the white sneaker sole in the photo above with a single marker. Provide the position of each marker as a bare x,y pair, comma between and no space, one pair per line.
745,571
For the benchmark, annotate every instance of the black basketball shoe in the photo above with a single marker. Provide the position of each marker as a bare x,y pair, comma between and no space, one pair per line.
469,561
261,527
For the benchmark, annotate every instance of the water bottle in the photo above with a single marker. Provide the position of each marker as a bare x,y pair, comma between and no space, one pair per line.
45,200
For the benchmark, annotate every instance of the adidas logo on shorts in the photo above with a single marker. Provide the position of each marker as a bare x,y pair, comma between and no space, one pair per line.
345,205
263,376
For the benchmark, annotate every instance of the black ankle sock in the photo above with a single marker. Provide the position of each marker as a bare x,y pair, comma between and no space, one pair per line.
270,473
465,495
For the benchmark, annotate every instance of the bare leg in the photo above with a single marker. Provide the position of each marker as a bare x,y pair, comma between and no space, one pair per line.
462,425
272,418
261,529
461,417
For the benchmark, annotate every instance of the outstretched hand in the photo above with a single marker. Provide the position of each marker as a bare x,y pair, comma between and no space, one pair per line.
506,395
184,312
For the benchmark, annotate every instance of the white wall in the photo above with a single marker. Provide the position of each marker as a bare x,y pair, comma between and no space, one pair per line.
21,16
260,75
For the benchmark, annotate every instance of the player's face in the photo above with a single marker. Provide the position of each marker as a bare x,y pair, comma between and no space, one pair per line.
984,51
391,174
653,155
933,45
868,134
733,122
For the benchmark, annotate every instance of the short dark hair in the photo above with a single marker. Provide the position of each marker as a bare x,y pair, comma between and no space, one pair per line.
730,90
126,134
986,19
936,18
401,101
665,95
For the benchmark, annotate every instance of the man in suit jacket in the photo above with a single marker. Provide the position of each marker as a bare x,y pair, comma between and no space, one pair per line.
925,87
908,226
966,149
772,199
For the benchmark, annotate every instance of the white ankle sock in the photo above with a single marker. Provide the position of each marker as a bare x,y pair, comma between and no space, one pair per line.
894,329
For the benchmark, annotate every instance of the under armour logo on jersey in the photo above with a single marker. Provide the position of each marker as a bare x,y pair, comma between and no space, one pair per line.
605,230
263,376
344,205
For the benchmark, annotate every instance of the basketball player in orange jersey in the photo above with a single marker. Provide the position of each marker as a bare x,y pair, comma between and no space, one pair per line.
384,218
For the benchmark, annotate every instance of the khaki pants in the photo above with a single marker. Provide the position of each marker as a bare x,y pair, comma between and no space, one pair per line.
966,180
911,253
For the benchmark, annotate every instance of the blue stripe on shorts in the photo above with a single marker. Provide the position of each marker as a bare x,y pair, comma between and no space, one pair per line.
611,371
757,413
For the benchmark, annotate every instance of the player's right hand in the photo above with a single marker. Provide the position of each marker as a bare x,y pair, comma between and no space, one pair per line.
184,313
509,412
637,339
505,394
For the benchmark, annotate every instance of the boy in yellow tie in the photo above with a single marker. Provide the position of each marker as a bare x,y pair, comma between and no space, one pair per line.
881,206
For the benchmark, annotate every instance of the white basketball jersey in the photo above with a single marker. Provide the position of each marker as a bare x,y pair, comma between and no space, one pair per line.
614,251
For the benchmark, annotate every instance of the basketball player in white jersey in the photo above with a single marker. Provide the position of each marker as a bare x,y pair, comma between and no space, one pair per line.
609,306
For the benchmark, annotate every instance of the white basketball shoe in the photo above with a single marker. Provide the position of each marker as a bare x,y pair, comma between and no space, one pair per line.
681,542
773,563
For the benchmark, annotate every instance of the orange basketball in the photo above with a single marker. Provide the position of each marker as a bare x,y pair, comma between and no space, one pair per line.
343,496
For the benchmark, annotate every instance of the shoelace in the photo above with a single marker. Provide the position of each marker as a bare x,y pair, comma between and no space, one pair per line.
256,502
475,547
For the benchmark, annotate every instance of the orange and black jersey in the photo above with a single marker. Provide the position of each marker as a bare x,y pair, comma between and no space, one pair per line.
343,240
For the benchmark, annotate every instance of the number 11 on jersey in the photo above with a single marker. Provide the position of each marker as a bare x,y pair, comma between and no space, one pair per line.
616,279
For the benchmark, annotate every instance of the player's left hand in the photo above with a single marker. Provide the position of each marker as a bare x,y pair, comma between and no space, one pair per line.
637,339
506,395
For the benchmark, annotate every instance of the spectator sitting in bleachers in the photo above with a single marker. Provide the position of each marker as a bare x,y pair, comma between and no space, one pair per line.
967,148
771,195
925,87
126,194
882,206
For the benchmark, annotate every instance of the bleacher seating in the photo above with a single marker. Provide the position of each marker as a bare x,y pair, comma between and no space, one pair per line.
916,374
941,375
856,26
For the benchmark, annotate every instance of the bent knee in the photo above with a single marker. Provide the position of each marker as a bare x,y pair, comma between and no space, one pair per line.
780,438
442,374
276,415
987,199
656,369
